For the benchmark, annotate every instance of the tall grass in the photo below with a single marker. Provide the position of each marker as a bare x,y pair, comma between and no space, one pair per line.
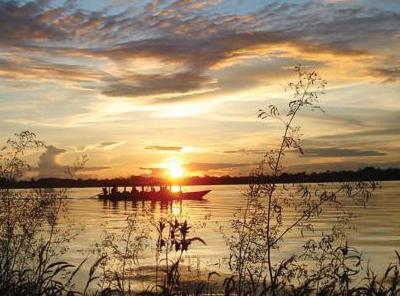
260,228
30,241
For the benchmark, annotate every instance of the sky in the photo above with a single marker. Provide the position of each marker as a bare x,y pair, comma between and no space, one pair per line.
135,85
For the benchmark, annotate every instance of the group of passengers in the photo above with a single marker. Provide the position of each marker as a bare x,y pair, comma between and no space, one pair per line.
134,190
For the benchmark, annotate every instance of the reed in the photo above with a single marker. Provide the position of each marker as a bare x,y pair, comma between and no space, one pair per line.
31,242
259,229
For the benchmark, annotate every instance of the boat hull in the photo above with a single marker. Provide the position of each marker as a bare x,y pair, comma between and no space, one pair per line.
154,196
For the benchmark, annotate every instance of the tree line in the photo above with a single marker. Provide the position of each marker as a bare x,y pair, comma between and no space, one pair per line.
367,173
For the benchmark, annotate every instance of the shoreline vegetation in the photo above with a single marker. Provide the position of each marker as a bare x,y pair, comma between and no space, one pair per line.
32,245
365,174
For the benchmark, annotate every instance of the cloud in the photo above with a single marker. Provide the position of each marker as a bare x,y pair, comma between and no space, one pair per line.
26,23
388,74
136,85
43,22
341,166
156,172
205,54
204,167
339,152
109,145
49,165
164,148
365,133
103,145
245,151
184,34
94,168
200,167
36,69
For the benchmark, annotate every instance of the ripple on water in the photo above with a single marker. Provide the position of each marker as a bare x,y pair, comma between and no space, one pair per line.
377,232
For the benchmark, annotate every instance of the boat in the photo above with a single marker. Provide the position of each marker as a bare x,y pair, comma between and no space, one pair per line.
163,194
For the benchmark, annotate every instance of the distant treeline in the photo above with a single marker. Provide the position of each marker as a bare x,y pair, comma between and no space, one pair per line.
365,174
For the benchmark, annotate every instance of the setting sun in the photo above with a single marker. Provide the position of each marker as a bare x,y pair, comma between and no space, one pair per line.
174,169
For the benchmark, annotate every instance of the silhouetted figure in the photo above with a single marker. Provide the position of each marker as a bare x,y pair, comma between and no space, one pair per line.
105,191
135,193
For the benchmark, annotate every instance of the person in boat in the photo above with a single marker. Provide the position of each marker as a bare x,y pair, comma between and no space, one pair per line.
114,190
163,189
134,191
142,192
105,191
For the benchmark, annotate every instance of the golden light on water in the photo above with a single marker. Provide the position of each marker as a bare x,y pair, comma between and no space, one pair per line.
175,188
176,209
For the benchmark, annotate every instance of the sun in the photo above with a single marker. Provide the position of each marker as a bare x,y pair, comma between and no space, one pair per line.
174,169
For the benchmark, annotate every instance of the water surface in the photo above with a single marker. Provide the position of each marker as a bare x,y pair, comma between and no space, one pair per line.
376,234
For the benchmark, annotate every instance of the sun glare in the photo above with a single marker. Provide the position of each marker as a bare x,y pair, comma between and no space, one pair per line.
175,188
174,169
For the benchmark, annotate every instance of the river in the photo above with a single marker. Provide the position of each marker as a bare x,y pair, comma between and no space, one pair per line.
376,230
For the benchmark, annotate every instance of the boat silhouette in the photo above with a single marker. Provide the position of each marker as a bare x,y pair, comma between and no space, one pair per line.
163,194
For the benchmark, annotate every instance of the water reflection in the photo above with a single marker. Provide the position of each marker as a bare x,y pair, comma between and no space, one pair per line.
377,233
175,207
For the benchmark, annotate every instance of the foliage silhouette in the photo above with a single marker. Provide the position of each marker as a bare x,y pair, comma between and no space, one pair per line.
31,242
364,174
260,228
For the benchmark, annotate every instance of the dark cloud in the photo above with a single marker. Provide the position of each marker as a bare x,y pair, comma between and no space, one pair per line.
39,23
143,85
363,133
37,69
201,41
388,74
339,152
340,166
204,167
339,24
26,23
182,32
246,151
199,57
164,148
94,168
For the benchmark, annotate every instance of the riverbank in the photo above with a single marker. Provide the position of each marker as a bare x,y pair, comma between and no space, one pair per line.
365,174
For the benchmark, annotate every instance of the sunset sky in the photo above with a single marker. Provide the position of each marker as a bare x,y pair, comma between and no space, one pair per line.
138,84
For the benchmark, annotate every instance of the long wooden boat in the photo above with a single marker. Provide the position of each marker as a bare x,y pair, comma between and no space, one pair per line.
154,195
